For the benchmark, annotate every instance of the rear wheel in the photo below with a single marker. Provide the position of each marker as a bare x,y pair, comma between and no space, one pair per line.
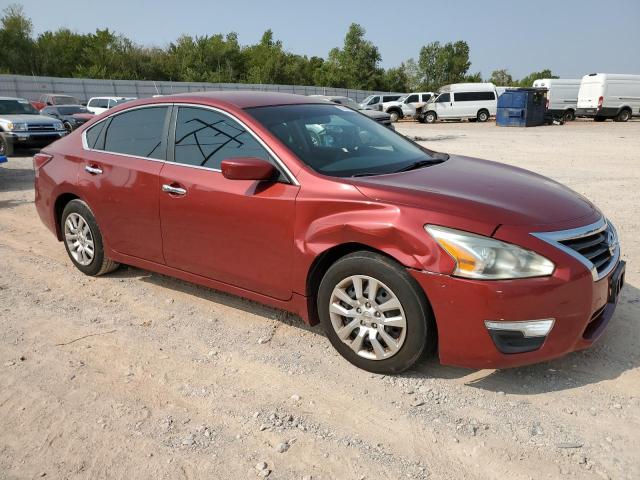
483,116
83,240
569,116
623,116
374,313
430,117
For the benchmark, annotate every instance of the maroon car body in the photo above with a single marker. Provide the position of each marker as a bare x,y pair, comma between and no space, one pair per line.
272,241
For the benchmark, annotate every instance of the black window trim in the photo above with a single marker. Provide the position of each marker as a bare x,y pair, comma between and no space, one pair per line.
169,137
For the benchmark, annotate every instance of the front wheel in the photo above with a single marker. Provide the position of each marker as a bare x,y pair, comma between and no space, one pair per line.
395,116
430,117
83,240
374,313
6,147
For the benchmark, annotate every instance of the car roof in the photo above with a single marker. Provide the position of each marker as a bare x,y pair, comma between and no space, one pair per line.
11,98
242,99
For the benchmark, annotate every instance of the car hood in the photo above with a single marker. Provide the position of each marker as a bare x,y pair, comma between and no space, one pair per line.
480,190
27,118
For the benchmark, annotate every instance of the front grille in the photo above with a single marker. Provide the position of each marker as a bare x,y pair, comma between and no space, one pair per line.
41,127
596,246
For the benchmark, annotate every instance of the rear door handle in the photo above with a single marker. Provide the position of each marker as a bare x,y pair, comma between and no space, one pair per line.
174,190
92,170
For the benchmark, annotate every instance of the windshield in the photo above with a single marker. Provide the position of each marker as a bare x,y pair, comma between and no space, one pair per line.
336,141
347,102
64,100
72,110
367,100
17,107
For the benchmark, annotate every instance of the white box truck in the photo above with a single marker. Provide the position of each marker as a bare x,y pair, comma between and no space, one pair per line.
562,96
609,95
475,101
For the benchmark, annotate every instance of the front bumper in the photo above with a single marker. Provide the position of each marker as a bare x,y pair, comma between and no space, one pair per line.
580,307
33,139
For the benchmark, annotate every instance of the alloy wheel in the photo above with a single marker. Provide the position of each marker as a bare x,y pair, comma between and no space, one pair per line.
79,239
368,317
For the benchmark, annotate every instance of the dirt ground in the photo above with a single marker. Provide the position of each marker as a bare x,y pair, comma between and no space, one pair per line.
139,376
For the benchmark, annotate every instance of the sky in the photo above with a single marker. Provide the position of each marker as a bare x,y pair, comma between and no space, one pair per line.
571,37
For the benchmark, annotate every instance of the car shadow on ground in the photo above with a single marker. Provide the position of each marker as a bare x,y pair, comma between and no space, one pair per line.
15,179
614,353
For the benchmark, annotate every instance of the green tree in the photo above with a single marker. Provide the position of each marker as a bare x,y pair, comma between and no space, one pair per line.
501,78
532,77
440,65
16,44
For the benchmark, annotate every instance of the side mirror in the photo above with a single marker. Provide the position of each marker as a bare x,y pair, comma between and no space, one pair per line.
248,168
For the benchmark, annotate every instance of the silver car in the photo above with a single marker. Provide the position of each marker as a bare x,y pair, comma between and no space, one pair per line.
21,125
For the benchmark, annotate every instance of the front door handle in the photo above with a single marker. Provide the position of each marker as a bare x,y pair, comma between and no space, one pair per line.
174,190
93,170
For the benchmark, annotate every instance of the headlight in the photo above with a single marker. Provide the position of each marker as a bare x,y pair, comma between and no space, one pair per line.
485,258
17,127
58,126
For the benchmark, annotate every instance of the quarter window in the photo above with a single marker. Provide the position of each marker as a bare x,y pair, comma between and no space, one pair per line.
137,132
205,138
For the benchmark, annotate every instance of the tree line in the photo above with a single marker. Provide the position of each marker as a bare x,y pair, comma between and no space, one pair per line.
221,58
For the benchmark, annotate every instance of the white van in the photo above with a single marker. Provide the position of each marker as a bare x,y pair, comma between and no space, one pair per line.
562,96
475,101
608,95
374,102
97,105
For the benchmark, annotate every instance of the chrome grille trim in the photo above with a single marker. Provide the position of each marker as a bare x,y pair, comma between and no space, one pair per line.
601,226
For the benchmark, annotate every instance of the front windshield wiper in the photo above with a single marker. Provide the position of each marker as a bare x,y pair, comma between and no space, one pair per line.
434,160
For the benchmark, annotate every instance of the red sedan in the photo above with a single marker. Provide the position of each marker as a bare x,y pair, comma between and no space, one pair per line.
314,208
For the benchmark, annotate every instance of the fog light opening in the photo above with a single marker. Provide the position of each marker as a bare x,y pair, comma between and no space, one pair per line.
520,336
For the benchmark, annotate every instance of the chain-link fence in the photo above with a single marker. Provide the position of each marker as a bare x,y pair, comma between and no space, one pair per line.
31,88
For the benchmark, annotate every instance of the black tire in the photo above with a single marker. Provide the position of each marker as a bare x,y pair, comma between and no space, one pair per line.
421,118
430,117
6,147
624,115
68,127
569,116
100,264
599,119
395,115
483,116
420,327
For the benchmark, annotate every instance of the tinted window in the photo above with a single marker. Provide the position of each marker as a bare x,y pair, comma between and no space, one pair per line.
339,142
426,97
445,97
94,133
390,98
99,103
137,132
205,137
474,96
373,100
411,99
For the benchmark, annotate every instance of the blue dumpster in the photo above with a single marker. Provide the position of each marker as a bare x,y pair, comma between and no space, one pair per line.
522,107
3,159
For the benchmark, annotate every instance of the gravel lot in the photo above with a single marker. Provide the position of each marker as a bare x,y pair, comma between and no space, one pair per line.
137,375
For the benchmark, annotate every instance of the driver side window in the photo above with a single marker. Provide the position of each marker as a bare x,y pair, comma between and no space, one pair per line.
444,98
204,138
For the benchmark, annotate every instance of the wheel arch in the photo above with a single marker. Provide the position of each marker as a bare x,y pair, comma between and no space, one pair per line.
323,262
58,207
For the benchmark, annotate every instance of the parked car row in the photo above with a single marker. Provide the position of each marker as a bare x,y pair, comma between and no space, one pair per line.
36,124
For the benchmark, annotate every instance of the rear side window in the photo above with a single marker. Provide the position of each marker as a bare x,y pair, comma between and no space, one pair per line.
205,138
136,132
474,96
390,98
